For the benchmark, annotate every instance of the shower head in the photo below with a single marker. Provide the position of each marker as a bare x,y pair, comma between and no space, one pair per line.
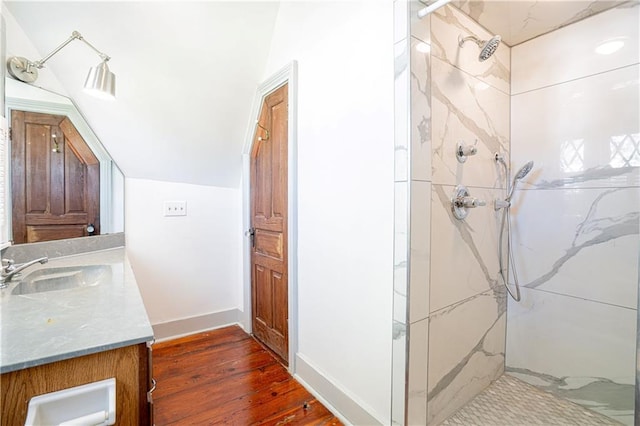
487,47
523,171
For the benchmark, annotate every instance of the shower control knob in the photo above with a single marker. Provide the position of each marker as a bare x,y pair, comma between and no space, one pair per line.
461,201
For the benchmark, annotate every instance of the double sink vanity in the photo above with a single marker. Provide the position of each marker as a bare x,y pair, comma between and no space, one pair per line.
74,320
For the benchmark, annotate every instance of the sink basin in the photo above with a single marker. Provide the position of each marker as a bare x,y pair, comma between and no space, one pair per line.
62,278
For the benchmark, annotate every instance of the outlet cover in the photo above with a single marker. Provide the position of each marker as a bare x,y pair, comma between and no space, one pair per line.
175,208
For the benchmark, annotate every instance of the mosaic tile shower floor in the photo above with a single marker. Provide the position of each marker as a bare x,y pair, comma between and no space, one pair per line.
511,402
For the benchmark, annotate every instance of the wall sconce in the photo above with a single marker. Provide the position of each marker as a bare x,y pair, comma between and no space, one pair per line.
100,82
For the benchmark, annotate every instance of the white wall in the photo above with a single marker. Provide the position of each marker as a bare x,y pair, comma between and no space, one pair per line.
345,189
186,265
19,44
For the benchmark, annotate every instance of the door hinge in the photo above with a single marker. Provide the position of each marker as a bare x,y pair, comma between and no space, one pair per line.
150,391
10,133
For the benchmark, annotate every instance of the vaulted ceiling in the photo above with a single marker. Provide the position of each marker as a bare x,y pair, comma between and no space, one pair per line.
187,71
186,74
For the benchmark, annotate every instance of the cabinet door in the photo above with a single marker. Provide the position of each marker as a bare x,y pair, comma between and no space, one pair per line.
129,366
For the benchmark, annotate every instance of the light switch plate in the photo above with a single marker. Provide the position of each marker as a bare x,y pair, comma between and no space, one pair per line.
175,208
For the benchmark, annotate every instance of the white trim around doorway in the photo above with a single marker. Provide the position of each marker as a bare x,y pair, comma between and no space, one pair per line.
288,75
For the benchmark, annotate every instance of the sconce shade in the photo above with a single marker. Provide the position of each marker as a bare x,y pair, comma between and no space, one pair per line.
101,82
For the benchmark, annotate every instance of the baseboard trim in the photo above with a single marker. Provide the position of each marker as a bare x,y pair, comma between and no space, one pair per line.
185,326
345,407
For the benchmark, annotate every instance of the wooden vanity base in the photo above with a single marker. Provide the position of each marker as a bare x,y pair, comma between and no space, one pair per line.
129,366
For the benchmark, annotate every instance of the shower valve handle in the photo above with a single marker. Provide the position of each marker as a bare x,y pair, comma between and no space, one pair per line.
462,201
470,202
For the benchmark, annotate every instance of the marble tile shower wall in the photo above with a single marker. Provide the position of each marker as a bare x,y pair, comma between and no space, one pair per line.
420,213
456,318
576,114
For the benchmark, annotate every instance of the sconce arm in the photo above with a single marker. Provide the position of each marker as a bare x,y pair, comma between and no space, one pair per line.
103,56
74,36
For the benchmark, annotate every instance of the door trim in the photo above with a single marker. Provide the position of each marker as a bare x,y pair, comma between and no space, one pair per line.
288,75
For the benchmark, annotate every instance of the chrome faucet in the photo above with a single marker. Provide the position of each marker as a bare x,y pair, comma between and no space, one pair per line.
9,269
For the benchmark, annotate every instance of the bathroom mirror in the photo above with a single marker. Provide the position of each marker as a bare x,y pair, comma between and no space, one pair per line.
107,195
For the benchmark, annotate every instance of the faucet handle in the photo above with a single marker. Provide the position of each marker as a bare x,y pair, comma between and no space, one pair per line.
470,202
7,265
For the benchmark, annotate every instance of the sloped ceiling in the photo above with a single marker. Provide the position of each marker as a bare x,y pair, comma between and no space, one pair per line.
186,74
187,71
517,21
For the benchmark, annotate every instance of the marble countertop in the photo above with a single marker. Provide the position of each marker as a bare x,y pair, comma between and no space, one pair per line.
40,328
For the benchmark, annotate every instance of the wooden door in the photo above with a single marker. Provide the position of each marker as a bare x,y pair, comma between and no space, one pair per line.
55,180
269,280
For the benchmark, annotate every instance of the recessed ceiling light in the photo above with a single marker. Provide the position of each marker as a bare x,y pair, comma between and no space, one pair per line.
608,47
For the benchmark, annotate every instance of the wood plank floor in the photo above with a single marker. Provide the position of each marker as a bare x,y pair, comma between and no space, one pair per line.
226,377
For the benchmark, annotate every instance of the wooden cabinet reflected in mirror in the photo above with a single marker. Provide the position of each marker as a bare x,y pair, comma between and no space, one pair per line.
55,180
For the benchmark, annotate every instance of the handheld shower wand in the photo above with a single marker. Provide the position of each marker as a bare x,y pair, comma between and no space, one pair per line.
506,221
524,170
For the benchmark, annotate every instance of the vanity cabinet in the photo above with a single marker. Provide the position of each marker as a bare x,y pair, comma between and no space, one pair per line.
129,365
52,340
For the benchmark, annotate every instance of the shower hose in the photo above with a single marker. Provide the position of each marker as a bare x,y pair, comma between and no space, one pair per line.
504,273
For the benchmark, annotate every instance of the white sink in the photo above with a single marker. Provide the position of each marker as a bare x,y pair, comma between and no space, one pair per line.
62,278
